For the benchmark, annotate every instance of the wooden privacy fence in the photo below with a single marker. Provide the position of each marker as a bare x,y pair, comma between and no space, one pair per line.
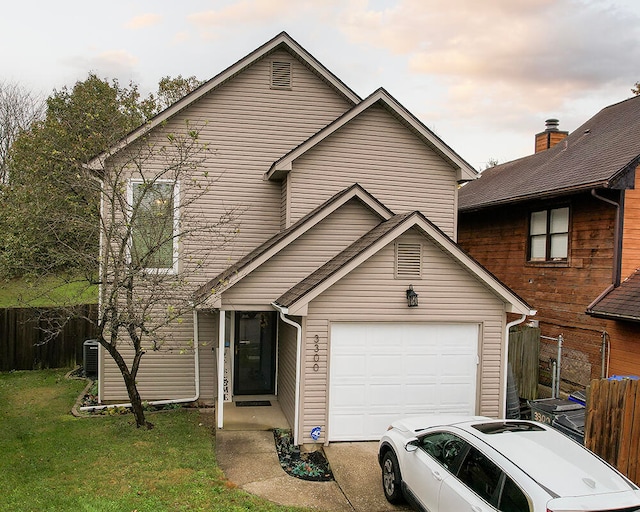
612,424
524,350
26,342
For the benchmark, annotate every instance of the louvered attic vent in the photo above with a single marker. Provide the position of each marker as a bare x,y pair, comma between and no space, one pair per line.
408,260
280,75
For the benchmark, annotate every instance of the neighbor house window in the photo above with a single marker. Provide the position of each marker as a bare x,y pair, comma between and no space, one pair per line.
549,235
154,221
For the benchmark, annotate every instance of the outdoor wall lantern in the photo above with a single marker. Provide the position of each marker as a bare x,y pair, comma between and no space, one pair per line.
412,297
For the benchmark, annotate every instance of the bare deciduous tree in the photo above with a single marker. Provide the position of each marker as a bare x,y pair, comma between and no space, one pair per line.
19,108
151,221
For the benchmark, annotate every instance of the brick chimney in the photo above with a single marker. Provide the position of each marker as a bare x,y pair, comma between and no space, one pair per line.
550,136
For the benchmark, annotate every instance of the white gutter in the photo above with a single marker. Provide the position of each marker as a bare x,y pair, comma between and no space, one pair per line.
170,400
505,362
296,415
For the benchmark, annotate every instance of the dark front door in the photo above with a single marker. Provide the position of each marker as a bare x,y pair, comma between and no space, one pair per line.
255,353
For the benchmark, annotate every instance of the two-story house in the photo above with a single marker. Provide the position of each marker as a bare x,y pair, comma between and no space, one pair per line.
561,228
342,295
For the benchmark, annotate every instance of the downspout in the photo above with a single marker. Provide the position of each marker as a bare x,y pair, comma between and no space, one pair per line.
505,363
616,274
617,244
298,327
194,398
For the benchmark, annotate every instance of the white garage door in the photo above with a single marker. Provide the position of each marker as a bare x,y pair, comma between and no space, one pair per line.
382,371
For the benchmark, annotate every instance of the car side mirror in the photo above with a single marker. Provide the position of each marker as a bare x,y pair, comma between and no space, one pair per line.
411,445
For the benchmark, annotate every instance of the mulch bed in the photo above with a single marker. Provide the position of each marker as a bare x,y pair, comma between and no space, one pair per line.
89,397
306,466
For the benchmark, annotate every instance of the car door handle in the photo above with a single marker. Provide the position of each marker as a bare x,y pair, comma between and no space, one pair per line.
476,508
437,475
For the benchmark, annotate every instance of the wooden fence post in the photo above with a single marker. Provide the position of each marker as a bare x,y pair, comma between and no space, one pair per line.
612,424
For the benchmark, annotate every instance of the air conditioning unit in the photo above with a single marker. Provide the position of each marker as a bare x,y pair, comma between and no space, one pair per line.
90,358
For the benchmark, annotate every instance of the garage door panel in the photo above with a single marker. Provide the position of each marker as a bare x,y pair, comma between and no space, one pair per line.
420,396
421,364
384,365
348,395
381,371
350,364
383,394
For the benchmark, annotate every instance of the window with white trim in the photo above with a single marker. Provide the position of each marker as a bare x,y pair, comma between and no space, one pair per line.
549,235
154,218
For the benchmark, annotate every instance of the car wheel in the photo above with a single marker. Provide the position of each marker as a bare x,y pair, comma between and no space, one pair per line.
391,479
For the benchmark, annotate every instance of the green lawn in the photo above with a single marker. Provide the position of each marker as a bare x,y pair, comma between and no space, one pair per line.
46,292
51,460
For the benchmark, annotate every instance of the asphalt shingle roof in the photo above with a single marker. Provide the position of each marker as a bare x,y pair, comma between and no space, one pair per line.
221,279
336,263
622,302
597,154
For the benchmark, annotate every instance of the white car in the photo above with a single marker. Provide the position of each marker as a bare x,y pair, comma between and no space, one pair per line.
477,464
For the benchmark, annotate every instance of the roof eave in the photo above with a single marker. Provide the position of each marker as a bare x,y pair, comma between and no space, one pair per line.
218,285
612,316
536,196
513,303
282,39
464,171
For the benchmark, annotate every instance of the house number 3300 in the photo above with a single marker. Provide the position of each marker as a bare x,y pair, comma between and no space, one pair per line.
316,353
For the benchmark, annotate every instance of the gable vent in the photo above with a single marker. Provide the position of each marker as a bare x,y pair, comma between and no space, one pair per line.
280,75
408,260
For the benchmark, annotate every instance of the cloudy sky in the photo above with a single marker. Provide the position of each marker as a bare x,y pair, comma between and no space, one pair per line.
483,74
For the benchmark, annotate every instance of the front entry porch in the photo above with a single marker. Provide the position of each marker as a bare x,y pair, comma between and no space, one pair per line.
257,359
254,417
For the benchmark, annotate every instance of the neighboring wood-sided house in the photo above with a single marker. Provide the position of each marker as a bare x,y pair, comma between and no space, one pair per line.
561,227
348,209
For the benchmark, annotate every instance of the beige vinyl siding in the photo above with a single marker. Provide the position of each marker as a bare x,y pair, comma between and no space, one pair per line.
284,203
247,126
167,373
301,257
387,159
370,293
287,348
208,346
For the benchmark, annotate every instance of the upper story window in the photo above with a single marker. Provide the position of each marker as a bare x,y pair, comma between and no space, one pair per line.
154,222
549,235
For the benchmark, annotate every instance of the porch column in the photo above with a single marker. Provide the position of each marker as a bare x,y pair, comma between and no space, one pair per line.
222,317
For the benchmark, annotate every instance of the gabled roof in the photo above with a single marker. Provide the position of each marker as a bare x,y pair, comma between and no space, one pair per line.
282,41
602,153
381,97
295,300
621,302
276,243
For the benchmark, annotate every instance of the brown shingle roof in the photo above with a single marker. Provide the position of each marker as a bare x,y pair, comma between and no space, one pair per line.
335,264
222,279
597,154
621,303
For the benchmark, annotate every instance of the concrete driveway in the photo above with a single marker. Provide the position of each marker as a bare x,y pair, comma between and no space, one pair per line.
249,460
358,475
